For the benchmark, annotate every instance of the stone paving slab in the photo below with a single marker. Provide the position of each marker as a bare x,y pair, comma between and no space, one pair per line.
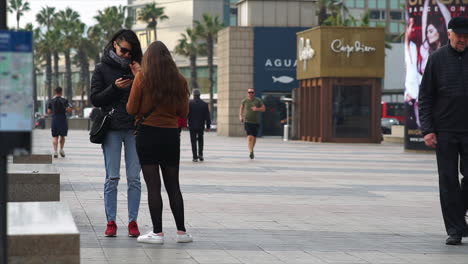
296,202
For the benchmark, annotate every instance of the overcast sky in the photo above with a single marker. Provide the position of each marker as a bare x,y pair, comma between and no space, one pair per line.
86,8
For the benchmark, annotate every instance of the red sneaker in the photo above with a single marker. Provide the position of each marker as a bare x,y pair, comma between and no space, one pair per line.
133,229
111,230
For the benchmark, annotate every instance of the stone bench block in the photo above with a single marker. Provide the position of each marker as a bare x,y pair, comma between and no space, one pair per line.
33,183
44,158
42,232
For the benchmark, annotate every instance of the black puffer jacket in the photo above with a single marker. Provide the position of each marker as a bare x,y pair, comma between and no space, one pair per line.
443,95
106,95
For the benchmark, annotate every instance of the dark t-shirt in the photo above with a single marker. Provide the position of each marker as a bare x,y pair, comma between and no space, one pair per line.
59,106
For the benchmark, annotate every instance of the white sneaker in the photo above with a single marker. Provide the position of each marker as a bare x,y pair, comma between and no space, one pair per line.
55,154
62,153
185,238
151,238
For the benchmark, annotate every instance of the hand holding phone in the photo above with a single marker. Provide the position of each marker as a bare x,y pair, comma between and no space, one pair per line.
128,77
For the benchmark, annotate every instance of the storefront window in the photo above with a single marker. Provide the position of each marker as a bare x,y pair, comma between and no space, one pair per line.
351,111
360,4
382,3
350,3
394,4
372,4
394,27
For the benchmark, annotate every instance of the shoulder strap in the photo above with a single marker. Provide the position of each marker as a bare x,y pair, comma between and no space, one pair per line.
145,116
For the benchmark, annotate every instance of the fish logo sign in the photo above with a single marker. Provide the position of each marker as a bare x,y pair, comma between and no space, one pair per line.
282,79
306,52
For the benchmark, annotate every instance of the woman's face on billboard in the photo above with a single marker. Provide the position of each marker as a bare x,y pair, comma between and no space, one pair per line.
432,34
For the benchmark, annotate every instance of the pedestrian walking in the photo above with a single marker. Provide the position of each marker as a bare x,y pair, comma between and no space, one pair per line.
58,107
444,122
159,97
198,117
249,114
110,89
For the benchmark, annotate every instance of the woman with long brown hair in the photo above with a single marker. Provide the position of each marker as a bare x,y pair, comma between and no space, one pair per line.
160,92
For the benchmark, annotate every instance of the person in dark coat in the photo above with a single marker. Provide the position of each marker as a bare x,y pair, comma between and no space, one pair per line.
444,123
110,88
198,116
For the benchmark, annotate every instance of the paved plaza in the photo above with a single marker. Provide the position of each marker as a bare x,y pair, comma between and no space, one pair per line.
296,202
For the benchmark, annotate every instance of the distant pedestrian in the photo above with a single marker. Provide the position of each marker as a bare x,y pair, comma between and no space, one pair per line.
443,113
198,117
249,114
110,88
160,92
58,107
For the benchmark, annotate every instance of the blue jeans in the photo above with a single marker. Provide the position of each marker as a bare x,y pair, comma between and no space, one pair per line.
112,148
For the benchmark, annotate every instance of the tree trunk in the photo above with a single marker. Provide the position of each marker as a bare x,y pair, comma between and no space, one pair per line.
34,94
155,26
84,76
193,71
68,81
56,71
97,60
48,77
210,44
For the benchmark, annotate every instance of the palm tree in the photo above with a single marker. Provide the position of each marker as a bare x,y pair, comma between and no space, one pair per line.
151,14
97,40
45,18
187,46
71,30
112,19
36,62
208,30
18,7
86,50
337,9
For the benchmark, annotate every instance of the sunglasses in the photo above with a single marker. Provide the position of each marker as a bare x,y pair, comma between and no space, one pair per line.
124,50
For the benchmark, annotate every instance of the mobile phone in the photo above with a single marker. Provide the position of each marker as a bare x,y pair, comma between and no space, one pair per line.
128,77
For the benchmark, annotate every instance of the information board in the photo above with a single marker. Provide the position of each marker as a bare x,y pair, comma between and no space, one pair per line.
16,81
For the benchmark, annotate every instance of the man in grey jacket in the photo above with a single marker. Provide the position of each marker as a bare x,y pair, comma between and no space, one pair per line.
443,109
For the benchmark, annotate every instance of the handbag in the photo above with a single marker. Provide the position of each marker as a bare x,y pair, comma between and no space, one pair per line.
100,126
139,122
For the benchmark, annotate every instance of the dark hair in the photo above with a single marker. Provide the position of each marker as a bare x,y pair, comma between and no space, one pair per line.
131,38
161,77
439,24
58,90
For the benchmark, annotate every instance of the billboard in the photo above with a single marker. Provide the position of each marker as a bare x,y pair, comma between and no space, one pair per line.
426,31
275,59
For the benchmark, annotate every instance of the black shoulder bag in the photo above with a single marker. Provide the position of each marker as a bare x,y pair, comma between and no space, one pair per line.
139,122
100,126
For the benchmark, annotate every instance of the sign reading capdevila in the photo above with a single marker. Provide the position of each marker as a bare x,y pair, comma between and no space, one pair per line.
338,47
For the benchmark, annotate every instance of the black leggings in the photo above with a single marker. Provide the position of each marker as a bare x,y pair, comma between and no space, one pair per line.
171,182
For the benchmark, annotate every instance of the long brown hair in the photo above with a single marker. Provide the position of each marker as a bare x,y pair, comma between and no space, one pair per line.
161,77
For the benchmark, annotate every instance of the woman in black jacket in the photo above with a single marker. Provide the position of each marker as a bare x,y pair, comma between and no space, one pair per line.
110,88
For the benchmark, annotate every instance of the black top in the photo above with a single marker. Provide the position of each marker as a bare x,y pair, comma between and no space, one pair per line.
59,106
198,115
106,95
443,95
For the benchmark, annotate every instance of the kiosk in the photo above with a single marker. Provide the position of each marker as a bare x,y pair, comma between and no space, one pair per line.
340,70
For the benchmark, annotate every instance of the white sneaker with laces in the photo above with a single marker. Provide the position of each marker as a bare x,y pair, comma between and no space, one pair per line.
151,238
185,238
62,153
